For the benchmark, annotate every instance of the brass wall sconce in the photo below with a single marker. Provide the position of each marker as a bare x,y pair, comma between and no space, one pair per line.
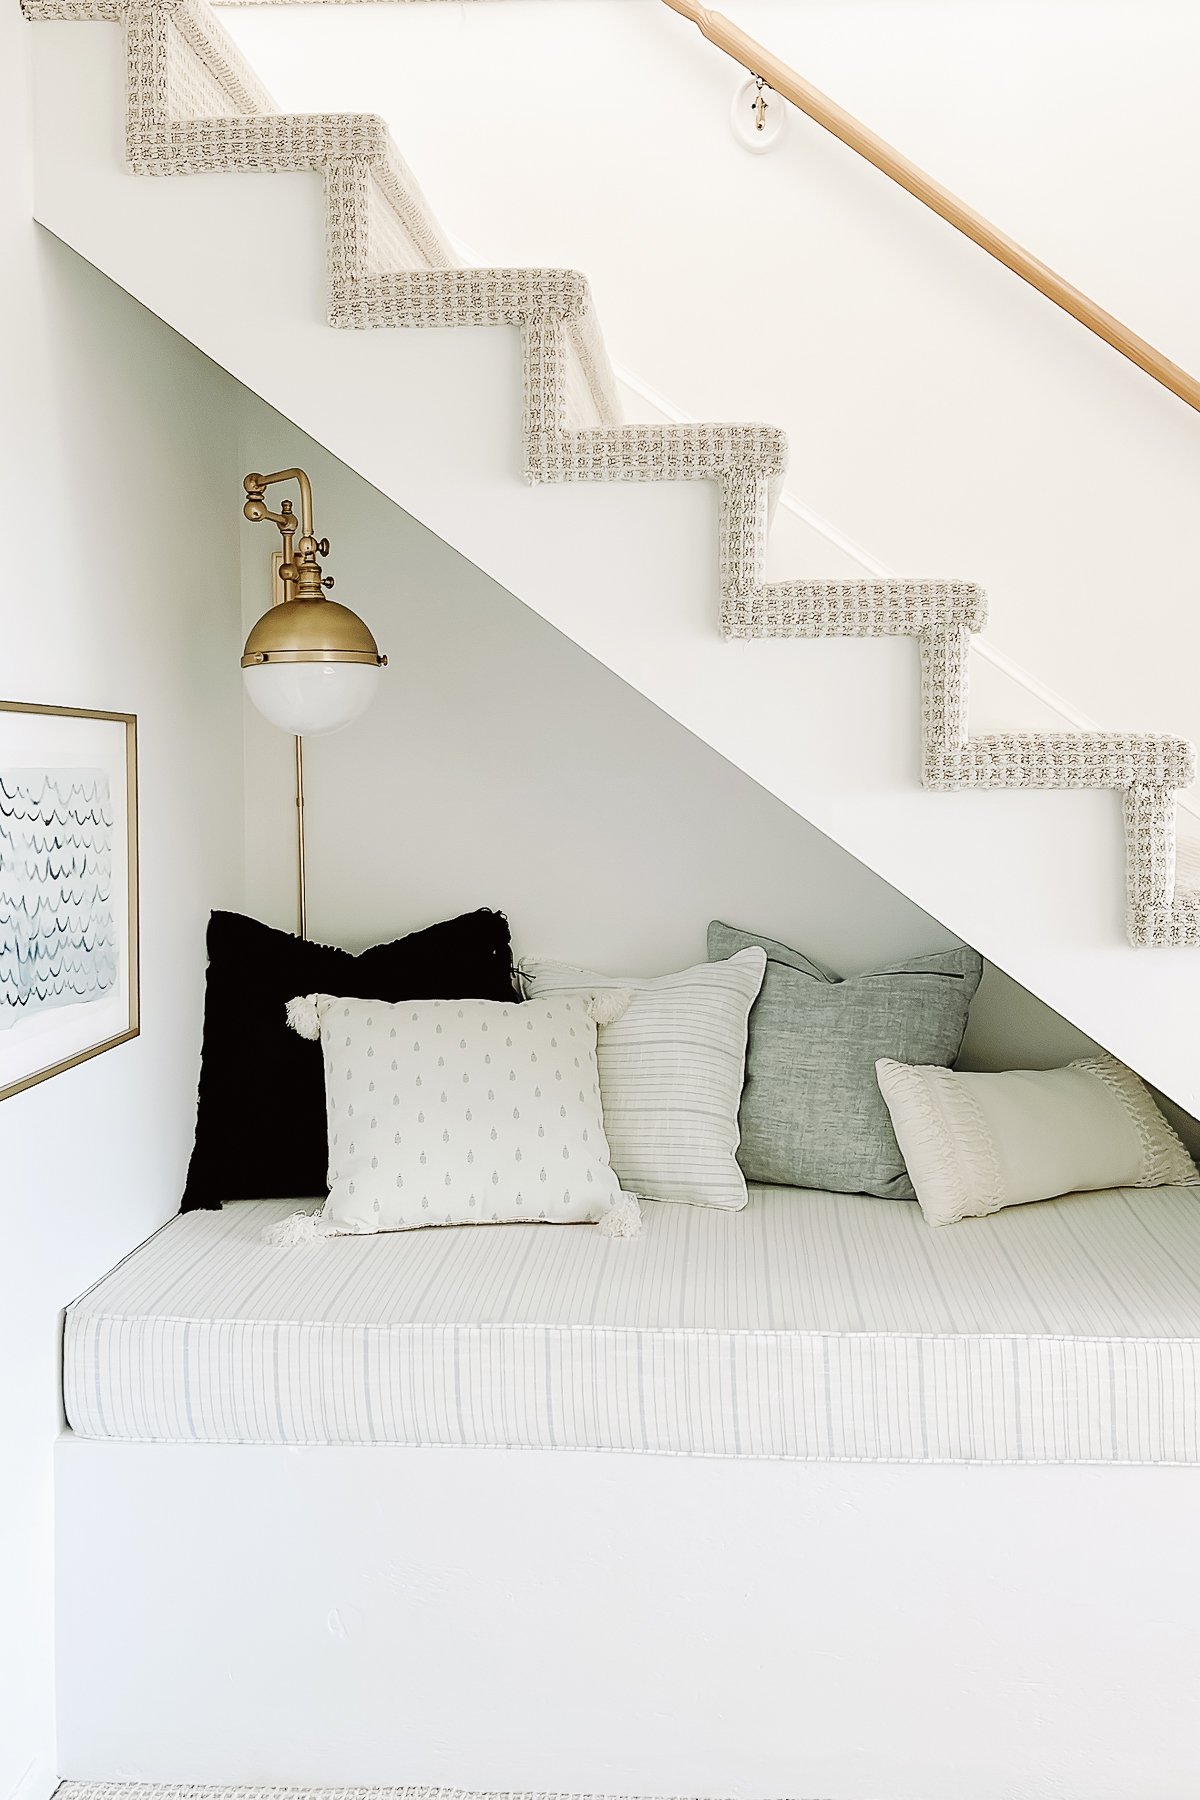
310,665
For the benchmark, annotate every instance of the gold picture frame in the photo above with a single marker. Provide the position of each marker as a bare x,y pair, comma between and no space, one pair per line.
70,947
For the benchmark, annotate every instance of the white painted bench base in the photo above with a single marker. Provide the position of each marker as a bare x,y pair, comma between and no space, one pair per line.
580,1622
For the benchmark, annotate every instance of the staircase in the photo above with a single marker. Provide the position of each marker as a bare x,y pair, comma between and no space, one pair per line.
253,269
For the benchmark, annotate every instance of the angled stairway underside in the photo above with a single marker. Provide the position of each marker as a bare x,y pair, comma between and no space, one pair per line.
194,106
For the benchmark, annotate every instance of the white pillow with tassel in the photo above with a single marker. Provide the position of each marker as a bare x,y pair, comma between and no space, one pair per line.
462,1112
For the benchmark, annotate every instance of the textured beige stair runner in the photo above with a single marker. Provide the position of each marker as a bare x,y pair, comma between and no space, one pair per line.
194,104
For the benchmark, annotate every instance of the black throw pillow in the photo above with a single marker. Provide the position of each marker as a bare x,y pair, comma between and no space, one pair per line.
260,1113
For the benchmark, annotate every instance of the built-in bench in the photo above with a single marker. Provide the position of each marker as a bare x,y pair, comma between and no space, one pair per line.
315,1524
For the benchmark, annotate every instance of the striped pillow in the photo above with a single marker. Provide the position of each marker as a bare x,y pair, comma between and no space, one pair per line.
671,1072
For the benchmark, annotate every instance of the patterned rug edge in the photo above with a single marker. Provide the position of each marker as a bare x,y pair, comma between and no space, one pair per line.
152,1790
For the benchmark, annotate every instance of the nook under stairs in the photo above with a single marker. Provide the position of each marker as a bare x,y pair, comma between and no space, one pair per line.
636,540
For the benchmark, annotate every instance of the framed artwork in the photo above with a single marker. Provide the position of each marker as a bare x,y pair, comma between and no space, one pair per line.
68,888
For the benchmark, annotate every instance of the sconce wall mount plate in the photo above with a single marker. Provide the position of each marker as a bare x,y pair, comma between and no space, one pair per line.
757,115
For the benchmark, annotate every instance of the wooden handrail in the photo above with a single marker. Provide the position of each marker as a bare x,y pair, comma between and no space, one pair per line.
834,118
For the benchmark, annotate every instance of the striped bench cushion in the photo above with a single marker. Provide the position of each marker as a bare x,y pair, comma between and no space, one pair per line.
810,1326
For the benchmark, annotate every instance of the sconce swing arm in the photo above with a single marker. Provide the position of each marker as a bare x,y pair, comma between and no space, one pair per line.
301,576
320,629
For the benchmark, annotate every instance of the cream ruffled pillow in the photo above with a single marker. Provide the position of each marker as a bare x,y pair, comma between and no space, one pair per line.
976,1143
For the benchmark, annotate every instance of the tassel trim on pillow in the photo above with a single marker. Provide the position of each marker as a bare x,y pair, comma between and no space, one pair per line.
299,1228
604,1005
623,1218
608,1004
304,1014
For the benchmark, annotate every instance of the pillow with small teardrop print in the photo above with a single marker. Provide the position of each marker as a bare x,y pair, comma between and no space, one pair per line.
260,1113
462,1112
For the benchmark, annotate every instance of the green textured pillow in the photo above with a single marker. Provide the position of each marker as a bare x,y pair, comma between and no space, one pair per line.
812,1114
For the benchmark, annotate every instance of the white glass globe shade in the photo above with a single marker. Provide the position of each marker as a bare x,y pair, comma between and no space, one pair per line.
306,698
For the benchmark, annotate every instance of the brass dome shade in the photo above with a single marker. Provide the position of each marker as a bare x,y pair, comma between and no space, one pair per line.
300,631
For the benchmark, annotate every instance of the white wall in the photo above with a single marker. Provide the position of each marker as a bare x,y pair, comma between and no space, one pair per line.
940,414
503,766
120,551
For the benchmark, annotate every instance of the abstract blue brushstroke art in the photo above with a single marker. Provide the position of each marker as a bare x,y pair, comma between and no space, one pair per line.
58,944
